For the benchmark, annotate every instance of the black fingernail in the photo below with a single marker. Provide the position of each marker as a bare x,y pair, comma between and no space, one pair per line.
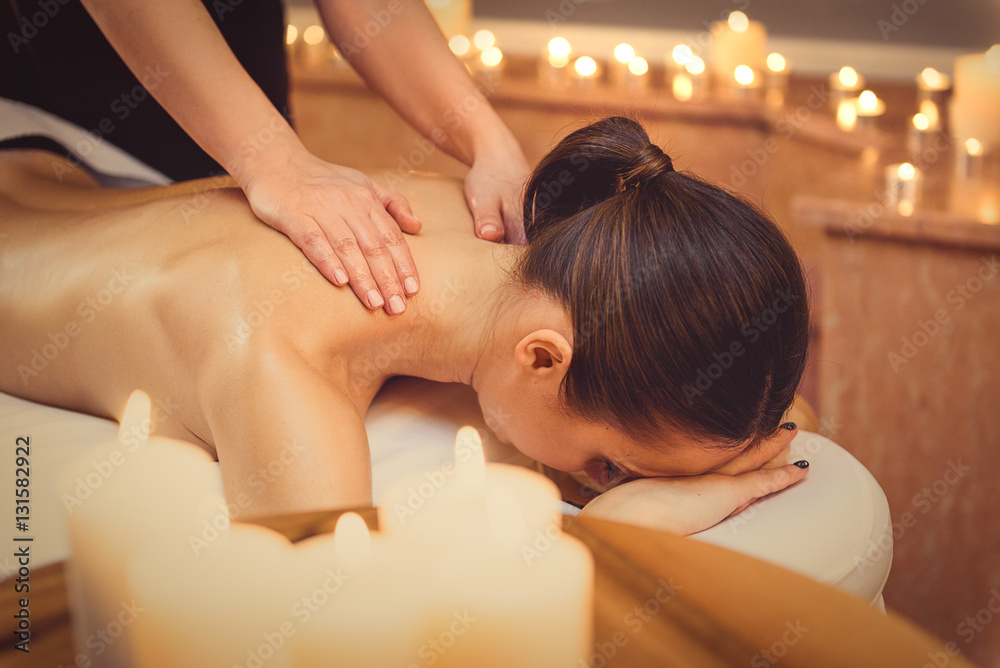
790,426
802,464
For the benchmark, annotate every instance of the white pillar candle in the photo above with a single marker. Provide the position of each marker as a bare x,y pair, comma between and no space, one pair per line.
369,601
228,606
975,105
120,498
736,42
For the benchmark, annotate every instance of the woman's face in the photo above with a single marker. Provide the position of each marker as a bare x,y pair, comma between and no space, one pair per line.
565,442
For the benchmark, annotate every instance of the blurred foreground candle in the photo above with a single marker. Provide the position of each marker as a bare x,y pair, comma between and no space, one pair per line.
975,106
738,41
776,79
585,72
553,66
844,85
228,605
369,600
121,498
902,187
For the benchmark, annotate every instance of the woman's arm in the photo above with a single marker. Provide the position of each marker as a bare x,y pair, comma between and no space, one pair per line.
336,215
287,440
408,62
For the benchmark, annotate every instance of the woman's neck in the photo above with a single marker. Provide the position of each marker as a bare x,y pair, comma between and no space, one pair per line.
450,324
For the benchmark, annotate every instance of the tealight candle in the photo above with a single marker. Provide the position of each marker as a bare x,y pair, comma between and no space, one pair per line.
776,79
971,159
131,494
690,83
553,66
844,85
747,83
902,186
619,64
636,75
975,105
585,72
847,115
738,41
933,89
315,47
489,67
869,107
920,131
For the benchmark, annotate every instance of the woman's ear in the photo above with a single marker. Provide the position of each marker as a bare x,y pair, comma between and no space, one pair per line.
545,354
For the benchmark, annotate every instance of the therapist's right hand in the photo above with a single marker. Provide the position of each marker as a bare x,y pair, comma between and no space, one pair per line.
348,226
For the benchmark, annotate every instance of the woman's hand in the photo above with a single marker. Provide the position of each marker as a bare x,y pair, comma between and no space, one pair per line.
347,225
689,504
493,191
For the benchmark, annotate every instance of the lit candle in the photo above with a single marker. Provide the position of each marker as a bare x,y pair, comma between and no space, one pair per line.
461,46
585,72
619,65
489,67
975,105
553,65
920,131
933,89
738,41
636,76
869,108
358,586
691,83
747,83
125,496
971,161
844,85
291,36
315,47
776,79
847,115
902,185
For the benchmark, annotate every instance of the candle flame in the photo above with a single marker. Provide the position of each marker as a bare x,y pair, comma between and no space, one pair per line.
921,122
491,56
459,45
973,147
559,47
932,78
624,53
638,66
868,101
585,66
352,543
483,39
848,77
136,418
505,516
313,35
683,87
776,62
906,171
291,34
738,21
744,75
695,65
682,54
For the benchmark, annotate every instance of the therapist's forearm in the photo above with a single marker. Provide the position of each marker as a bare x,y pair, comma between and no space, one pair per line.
408,62
176,49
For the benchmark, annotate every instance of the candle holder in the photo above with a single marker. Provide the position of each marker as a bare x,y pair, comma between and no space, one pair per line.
933,91
902,187
488,67
970,161
869,108
844,85
637,75
586,73
553,65
691,81
745,84
618,65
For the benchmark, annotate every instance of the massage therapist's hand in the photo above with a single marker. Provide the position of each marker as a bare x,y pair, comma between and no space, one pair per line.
347,225
492,190
690,504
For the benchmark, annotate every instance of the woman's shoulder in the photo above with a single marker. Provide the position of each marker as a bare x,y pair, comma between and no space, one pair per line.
437,200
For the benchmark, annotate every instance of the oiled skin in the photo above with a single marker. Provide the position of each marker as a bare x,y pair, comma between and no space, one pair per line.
180,291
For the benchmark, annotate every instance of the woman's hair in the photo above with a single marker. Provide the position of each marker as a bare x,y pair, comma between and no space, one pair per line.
688,303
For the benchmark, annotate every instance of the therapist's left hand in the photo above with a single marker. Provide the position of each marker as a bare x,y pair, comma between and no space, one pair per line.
348,226
493,191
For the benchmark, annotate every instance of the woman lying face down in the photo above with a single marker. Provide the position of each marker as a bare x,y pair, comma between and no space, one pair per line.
654,327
